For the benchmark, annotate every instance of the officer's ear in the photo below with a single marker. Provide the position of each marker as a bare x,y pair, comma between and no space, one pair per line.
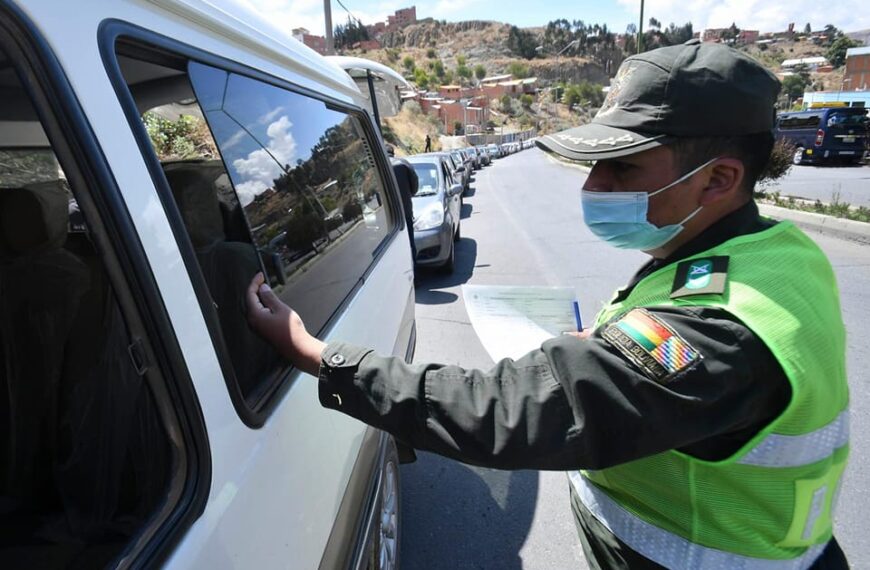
724,183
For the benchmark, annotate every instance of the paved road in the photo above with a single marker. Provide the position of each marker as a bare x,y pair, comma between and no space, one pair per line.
523,226
851,183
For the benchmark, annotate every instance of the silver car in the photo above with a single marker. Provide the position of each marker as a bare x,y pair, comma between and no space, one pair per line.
437,205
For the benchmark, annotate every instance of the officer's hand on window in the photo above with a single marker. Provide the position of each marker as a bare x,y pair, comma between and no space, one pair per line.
282,327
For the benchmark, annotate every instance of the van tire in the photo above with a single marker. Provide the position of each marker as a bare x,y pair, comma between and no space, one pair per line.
387,539
798,158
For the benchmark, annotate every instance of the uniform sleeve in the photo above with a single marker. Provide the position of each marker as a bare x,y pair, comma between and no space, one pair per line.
570,404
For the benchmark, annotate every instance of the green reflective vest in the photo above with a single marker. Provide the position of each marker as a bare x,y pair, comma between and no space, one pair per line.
769,505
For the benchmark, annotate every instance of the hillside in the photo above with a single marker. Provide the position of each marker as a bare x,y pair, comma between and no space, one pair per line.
443,53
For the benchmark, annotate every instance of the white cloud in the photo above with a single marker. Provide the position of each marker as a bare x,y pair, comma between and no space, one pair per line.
761,15
259,168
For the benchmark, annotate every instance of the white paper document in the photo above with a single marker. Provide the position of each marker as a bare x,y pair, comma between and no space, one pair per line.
511,321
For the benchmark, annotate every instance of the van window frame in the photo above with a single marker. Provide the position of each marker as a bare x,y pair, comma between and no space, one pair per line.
114,33
80,155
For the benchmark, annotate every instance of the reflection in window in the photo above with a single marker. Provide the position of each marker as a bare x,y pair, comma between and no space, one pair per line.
307,181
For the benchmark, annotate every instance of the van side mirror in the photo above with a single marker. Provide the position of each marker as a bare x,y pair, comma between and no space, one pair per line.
455,189
460,169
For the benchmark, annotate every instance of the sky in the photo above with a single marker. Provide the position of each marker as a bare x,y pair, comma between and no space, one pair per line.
762,15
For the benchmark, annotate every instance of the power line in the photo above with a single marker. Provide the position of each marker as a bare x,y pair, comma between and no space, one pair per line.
349,13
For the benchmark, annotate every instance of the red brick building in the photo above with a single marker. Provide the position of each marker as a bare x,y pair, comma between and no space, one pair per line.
317,43
857,74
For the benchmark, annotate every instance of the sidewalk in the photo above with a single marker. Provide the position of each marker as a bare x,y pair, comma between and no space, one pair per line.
839,227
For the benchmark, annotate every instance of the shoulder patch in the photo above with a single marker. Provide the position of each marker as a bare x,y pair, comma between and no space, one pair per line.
702,276
651,345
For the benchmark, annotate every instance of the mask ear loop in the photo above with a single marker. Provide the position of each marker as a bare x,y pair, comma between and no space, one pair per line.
684,177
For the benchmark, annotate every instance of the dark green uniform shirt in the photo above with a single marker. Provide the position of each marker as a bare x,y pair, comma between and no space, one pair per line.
579,404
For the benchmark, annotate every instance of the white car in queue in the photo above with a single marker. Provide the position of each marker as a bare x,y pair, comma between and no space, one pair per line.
154,156
437,211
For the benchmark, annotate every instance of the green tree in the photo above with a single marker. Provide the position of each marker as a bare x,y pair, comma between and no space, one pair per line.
794,86
807,29
461,60
439,69
408,63
479,71
463,72
522,43
526,100
518,70
505,103
350,33
571,96
430,53
731,32
836,54
421,78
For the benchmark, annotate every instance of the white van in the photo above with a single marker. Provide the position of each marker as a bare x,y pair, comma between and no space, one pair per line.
154,155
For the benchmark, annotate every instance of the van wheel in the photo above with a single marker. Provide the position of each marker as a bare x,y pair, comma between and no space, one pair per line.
386,542
798,157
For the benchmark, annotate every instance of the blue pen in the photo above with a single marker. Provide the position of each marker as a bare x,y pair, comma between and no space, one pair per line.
577,316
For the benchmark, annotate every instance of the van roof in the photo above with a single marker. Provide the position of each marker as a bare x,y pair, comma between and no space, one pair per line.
239,22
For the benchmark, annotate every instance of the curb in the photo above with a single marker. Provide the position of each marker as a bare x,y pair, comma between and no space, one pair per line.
829,225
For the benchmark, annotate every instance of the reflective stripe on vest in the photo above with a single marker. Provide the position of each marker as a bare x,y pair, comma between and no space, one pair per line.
668,549
778,450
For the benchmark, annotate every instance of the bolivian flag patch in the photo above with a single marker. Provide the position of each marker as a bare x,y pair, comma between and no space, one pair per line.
651,345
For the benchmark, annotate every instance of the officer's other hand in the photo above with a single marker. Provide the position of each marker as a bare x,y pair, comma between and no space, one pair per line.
582,335
282,327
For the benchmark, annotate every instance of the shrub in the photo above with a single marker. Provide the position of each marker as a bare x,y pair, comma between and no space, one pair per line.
186,137
779,164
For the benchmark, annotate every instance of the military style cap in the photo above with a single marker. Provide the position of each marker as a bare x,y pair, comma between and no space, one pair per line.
690,90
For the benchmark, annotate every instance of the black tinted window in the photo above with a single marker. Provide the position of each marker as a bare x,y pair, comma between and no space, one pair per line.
264,179
85,461
800,122
307,182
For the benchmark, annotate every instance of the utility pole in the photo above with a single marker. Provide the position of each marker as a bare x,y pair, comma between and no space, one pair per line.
640,30
327,15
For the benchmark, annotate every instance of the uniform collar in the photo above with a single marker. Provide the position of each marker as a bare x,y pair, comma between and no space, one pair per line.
742,221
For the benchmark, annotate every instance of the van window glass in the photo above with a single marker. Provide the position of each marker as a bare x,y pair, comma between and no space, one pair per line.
265,179
800,122
85,460
846,120
307,181
212,215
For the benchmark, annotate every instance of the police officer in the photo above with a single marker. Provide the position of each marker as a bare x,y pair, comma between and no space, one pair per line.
703,419
406,178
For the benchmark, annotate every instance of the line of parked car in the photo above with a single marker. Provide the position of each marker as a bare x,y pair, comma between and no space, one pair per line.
444,179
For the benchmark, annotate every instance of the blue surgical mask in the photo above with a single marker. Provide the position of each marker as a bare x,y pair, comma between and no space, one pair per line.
619,218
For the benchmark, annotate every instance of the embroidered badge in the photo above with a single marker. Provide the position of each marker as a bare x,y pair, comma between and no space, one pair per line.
611,102
651,345
704,276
